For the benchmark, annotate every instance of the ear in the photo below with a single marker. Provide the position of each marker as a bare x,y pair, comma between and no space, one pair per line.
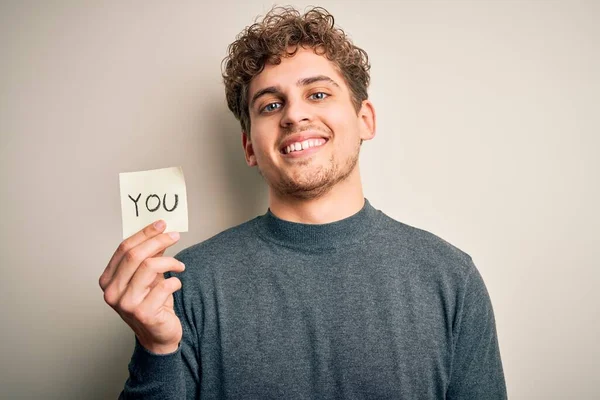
248,150
368,120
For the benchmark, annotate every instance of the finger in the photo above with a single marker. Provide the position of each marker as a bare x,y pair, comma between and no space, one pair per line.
158,296
146,233
147,276
134,257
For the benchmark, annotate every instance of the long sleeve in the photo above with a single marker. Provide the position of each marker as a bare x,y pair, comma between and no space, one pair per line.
166,376
477,371
366,307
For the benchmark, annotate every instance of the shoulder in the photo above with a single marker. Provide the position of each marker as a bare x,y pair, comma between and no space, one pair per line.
424,247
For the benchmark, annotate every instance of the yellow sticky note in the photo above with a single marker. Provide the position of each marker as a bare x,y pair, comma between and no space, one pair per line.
147,196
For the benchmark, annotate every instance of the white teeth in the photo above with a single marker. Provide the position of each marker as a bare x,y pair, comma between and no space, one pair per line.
303,145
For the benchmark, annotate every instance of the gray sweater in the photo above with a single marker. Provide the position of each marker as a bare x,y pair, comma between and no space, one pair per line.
362,308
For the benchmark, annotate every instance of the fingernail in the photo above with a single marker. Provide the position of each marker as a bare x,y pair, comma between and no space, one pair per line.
160,224
174,235
182,265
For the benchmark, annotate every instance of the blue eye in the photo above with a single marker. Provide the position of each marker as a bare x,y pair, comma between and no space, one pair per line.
271,107
319,96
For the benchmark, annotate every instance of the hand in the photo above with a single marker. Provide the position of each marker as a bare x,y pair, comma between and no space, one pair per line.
134,286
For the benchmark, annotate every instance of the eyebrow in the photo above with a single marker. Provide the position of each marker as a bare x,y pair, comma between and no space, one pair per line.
301,82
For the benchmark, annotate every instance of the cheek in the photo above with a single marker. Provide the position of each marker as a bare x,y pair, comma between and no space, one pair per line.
343,124
341,114
261,146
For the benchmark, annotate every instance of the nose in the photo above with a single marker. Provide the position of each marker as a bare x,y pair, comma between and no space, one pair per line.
295,112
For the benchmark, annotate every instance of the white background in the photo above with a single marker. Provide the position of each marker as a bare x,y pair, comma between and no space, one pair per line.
488,124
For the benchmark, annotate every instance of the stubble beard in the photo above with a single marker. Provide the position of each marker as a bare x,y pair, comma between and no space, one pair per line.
313,184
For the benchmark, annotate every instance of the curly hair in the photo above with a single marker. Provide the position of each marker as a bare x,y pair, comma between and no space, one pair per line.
282,29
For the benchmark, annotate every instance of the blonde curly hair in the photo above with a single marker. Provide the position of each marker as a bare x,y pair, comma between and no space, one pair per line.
268,40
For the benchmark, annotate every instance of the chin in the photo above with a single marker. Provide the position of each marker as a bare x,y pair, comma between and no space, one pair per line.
309,189
312,181
304,192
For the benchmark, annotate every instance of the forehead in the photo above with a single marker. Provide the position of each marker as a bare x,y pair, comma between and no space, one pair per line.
305,63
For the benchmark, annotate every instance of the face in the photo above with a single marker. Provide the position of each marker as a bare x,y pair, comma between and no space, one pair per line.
305,132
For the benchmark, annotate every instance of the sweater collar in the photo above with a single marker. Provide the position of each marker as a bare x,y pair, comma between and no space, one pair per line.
318,236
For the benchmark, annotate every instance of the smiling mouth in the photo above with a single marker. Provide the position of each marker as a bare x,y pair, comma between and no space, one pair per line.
303,145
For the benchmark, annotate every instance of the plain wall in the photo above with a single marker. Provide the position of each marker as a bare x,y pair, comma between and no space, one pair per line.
487,135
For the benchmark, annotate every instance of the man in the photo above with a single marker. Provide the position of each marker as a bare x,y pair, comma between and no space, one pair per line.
323,296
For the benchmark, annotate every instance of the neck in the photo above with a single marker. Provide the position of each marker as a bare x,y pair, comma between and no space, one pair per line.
343,200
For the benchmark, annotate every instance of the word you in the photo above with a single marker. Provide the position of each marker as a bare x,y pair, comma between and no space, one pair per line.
153,203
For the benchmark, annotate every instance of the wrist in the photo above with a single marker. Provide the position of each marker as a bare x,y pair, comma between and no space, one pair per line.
159,349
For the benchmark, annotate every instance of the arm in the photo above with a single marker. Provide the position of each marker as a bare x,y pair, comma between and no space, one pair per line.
477,371
174,375
139,284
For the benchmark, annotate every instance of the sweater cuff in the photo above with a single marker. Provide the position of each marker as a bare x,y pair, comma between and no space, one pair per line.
147,366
